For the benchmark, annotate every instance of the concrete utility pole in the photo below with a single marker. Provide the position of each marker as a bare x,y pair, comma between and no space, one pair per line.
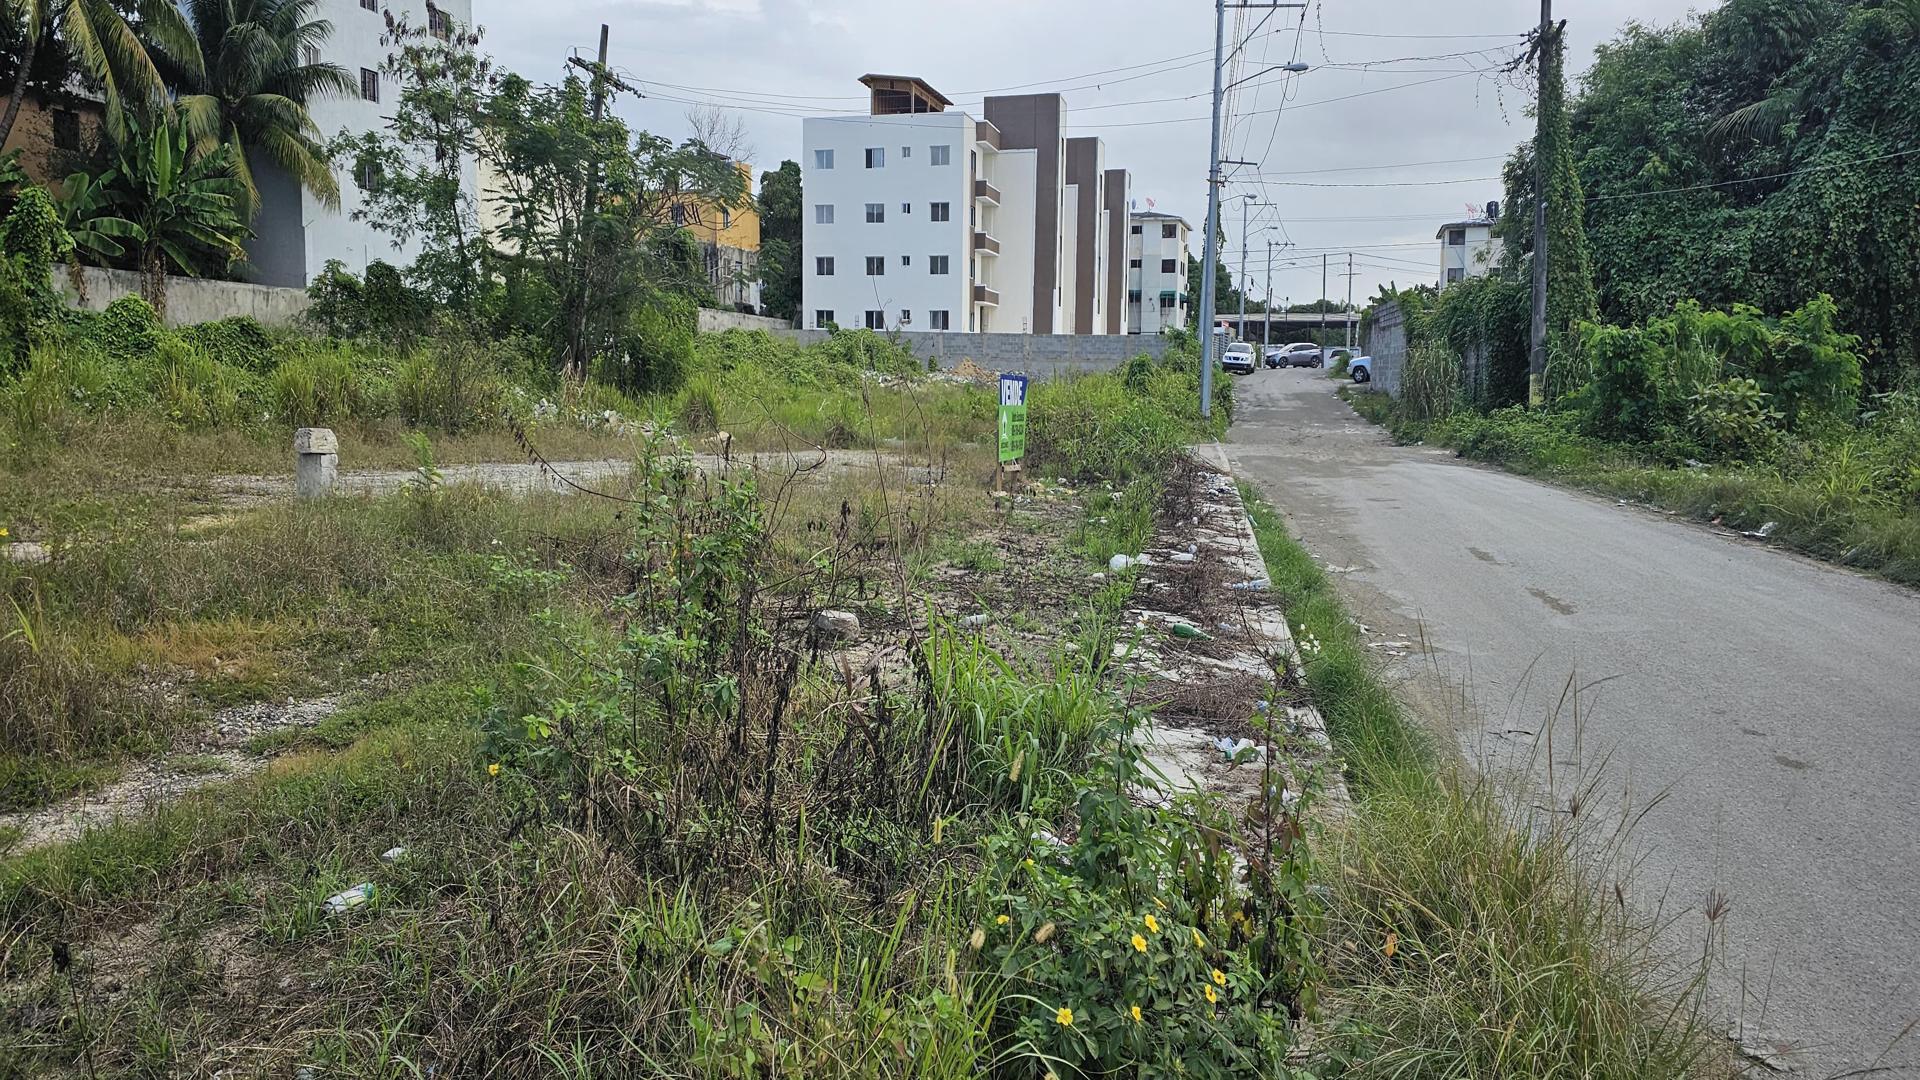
1323,300
1246,211
1349,301
1210,260
1537,356
1266,332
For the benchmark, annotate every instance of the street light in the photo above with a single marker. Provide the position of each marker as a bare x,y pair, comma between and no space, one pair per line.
1296,67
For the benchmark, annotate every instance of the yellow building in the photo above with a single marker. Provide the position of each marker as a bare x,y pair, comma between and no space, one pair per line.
54,142
729,238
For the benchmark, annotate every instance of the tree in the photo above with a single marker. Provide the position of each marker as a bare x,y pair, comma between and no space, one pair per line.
411,175
720,131
179,210
104,46
246,85
781,256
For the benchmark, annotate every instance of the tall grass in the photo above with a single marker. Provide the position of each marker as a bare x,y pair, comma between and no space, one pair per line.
1467,934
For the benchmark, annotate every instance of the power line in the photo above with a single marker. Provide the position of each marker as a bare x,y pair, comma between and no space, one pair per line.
1304,104
1379,184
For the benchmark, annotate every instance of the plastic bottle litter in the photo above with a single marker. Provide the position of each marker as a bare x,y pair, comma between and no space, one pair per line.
1121,562
975,622
1258,584
1243,751
392,854
359,896
1183,556
1187,631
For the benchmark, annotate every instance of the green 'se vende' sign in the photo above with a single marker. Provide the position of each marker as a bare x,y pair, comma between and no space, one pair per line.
1013,417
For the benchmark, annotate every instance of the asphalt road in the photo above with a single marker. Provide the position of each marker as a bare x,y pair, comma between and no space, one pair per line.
1762,710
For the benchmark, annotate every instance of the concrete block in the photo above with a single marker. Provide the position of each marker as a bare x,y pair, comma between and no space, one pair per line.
315,440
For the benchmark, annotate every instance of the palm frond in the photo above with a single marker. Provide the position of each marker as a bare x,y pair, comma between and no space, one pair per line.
1762,121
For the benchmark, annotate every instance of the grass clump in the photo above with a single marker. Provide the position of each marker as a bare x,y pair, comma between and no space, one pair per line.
1465,933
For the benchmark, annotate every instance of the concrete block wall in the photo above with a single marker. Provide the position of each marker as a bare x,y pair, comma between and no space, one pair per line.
1387,344
1039,355
714,320
189,300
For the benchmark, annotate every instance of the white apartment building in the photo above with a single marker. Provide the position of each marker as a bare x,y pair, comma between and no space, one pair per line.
918,216
1467,249
1156,272
296,234
898,216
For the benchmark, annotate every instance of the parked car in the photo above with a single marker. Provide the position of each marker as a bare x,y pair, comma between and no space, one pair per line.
1239,357
1361,368
1270,356
1300,354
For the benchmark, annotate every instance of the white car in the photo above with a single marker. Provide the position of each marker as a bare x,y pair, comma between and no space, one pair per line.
1360,368
1239,357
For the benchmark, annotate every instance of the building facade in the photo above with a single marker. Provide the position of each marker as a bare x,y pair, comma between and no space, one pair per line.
920,216
1467,249
1156,272
729,239
296,234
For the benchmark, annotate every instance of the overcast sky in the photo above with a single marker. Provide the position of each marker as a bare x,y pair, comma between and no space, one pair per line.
1128,62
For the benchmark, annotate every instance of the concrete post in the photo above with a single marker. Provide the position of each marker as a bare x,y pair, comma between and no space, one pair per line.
316,467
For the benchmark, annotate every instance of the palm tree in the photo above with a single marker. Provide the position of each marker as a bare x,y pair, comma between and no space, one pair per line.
106,48
245,86
178,207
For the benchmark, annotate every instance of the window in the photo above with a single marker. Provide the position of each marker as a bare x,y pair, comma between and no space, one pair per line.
311,55
876,320
1136,230
822,318
906,317
876,159
66,129
939,155
906,260
876,266
936,264
1133,296
370,84
1167,300
823,266
1456,237
679,215
1133,264
939,211
1169,232
823,159
367,175
906,152
370,5
876,213
439,23
939,320
823,213
1455,273
1166,266
906,208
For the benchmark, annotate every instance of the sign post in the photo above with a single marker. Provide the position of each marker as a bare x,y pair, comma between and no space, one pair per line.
1013,421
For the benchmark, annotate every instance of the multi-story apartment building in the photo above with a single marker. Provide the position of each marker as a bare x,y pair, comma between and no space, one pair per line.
1467,249
729,239
1156,272
296,234
919,216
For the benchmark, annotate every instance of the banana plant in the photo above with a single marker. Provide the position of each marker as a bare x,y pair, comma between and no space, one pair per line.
182,210
85,204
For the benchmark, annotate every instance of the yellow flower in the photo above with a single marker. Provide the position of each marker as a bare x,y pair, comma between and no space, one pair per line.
1219,977
1064,1017
3,532
1002,920
1139,943
1136,1013
1153,924
1028,864
1211,996
1198,941
493,769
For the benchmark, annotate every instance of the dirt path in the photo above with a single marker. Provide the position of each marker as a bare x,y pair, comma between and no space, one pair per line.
218,754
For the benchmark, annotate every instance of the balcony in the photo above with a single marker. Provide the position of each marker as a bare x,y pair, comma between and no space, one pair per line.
984,244
986,134
986,192
984,295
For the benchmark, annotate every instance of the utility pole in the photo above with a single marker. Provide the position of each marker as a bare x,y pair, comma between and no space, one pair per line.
1211,259
1246,211
1537,356
1266,332
1323,300
577,323
1349,301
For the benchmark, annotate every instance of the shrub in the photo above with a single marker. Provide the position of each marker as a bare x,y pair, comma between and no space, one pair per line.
238,341
191,389
321,387
1732,417
451,384
657,351
127,332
